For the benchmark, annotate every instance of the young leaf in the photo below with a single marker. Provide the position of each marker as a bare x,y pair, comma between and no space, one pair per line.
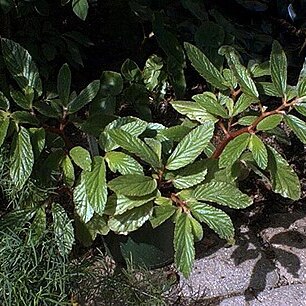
184,244
125,203
243,102
241,73
63,84
259,151
130,220
193,111
204,67
97,225
63,229
191,146
68,171
123,163
222,193
269,122
284,179
95,185
20,64
135,145
80,8
85,96
215,218
81,157
209,101
22,159
81,202
133,185
4,124
298,126
131,71
278,64
161,214
233,150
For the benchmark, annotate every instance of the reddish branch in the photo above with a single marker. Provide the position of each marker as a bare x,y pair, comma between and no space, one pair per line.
248,129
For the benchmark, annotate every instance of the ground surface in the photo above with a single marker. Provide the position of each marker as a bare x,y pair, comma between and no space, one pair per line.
267,266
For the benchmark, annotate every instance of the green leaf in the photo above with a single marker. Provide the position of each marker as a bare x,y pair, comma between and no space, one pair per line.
63,229
4,124
284,180
111,84
193,111
133,185
152,71
20,99
191,146
131,71
247,120
155,145
204,67
241,73
123,163
184,244
175,133
21,66
197,229
259,151
38,225
233,150
85,96
22,159
161,214
215,218
136,146
269,122
132,125
278,66
222,193
81,201
38,139
80,8
4,102
81,157
301,85
63,84
97,225
259,70
190,176
243,102
95,185
125,203
298,126
268,89
209,101
301,107
68,171
23,117
130,220
230,78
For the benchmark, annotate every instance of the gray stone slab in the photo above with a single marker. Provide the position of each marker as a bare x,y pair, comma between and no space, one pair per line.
292,295
233,270
287,239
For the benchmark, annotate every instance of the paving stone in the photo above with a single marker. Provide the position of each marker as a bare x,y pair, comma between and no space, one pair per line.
232,270
287,239
292,295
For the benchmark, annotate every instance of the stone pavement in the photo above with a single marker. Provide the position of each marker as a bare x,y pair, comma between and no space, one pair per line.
266,267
